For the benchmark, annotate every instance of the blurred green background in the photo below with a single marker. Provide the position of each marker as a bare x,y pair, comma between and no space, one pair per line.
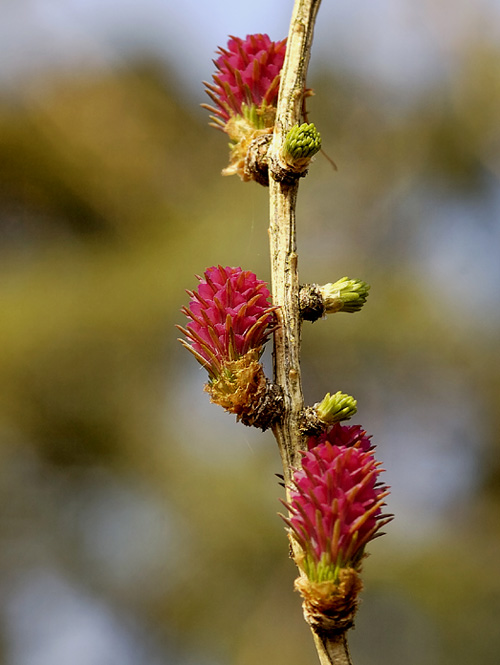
138,523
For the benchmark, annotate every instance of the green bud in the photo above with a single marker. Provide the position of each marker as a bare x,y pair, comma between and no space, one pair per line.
335,408
301,143
346,295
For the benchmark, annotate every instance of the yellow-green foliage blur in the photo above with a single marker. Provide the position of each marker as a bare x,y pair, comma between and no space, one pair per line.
135,515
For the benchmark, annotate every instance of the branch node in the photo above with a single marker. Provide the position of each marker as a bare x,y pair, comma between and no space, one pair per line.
329,607
268,410
256,163
284,173
310,423
311,302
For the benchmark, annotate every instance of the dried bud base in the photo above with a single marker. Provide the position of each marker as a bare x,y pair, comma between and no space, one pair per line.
286,175
310,423
255,166
244,390
329,607
311,303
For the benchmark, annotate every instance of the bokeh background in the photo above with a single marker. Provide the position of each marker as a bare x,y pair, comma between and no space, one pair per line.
138,523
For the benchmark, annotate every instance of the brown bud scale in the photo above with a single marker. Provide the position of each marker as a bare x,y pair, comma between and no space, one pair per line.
329,607
244,390
311,303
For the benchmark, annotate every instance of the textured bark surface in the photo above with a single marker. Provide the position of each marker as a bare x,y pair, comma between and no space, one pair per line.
284,269
282,234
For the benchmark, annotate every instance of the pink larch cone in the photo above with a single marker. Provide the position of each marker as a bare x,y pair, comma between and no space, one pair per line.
335,508
230,320
244,93
247,77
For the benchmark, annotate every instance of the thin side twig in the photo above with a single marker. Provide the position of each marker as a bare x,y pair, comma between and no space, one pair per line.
282,234
284,273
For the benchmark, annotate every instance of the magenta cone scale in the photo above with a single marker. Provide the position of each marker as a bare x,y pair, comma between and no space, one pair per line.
343,435
248,75
335,508
230,315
